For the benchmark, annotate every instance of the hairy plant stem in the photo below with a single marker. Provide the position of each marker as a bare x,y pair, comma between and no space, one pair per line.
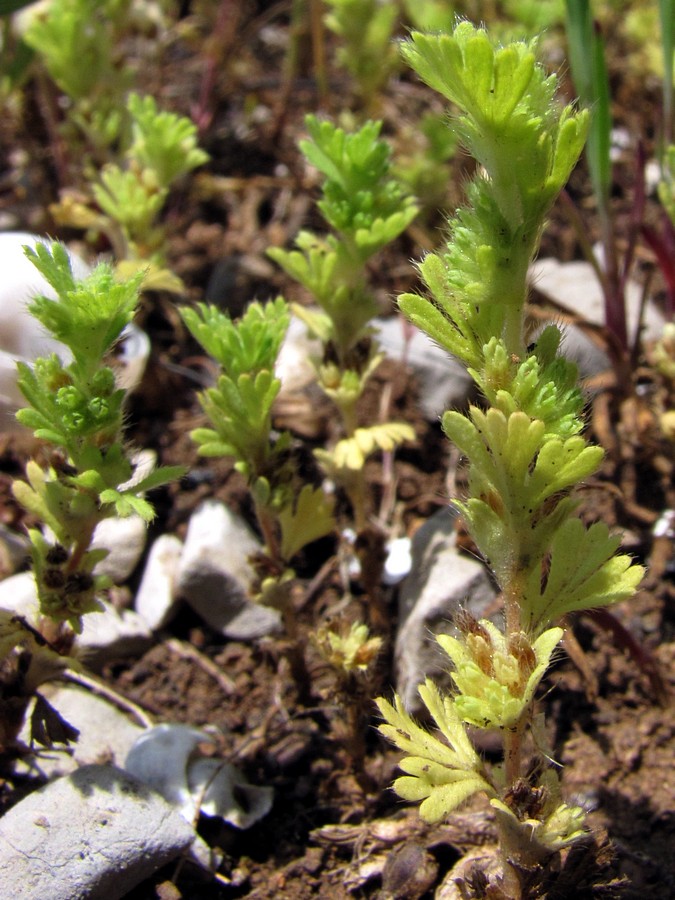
296,647
512,593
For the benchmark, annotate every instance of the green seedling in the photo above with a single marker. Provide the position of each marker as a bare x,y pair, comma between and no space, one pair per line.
76,41
525,451
77,410
290,512
367,209
134,152
351,653
367,52
130,196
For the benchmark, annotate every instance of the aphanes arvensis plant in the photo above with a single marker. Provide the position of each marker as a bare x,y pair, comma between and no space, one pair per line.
525,451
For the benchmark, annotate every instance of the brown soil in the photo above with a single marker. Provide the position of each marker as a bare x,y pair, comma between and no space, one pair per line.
334,832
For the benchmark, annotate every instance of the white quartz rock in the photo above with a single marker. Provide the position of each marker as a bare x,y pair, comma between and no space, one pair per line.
156,599
23,338
124,539
214,574
442,581
575,286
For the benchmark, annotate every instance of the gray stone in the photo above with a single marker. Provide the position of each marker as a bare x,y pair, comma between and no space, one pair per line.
444,382
111,634
156,600
91,835
214,574
574,285
442,581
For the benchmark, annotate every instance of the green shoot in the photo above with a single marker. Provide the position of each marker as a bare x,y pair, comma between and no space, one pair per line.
366,28
76,40
290,513
525,450
77,409
367,208
131,196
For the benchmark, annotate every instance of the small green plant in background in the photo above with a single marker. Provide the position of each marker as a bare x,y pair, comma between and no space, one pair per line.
525,452
367,208
290,512
367,52
131,196
132,151
76,409
77,43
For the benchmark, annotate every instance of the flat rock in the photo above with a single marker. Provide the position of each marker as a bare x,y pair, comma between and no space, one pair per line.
91,835
442,581
156,600
105,731
214,574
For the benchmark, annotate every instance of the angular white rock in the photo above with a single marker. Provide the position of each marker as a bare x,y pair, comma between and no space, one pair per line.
91,835
167,758
156,600
294,364
214,574
398,562
110,634
19,596
442,581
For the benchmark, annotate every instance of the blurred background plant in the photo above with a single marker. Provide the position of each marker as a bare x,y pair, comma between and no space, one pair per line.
367,209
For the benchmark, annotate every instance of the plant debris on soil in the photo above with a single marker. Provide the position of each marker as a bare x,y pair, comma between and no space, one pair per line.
333,832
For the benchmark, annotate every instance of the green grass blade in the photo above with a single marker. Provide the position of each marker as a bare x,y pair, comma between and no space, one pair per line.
667,17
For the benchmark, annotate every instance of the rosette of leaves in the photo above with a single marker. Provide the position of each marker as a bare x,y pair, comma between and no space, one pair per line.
77,410
524,447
